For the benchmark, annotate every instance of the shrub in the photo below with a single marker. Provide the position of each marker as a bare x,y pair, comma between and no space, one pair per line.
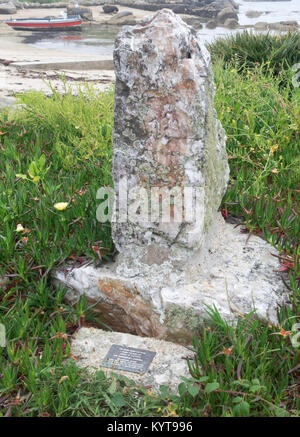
246,50
76,127
262,125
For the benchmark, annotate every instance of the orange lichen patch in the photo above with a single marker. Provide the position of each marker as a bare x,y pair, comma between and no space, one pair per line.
168,158
169,119
188,85
141,318
114,317
154,93
110,287
178,145
174,177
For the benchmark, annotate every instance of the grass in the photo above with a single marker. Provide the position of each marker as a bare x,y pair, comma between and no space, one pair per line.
245,50
58,149
262,124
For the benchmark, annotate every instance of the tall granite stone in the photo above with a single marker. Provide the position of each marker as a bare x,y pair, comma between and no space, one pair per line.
166,132
170,158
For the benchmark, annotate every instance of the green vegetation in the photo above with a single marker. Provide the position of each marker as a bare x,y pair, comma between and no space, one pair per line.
58,151
262,124
245,50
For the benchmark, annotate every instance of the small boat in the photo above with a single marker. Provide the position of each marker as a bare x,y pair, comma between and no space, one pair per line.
48,23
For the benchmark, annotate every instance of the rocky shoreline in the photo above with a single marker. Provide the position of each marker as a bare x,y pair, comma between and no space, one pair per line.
205,9
14,49
208,13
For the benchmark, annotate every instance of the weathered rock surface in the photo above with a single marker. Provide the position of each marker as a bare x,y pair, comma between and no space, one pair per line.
109,9
19,5
8,8
123,14
205,9
195,22
221,4
253,14
231,23
253,1
284,26
85,13
166,133
147,294
211,24
46,5
261,25
90,346
167,136
225,14
126,20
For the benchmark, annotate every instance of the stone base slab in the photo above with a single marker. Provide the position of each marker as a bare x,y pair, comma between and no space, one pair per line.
155,291
90,347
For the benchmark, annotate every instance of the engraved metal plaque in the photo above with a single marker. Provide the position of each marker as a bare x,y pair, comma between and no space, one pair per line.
128,358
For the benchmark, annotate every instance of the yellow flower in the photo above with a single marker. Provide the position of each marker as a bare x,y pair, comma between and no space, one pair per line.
61,206
275,170
172,411
272,150
19,228
63,378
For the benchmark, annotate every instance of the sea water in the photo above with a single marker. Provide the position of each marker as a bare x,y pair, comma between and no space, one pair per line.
272,12
100,39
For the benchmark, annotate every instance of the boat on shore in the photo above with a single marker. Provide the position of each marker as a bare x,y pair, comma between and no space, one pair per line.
48,23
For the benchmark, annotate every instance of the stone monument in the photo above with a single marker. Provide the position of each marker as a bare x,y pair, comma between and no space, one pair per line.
177,256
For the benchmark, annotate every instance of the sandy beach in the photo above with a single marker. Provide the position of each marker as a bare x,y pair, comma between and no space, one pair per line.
12,48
